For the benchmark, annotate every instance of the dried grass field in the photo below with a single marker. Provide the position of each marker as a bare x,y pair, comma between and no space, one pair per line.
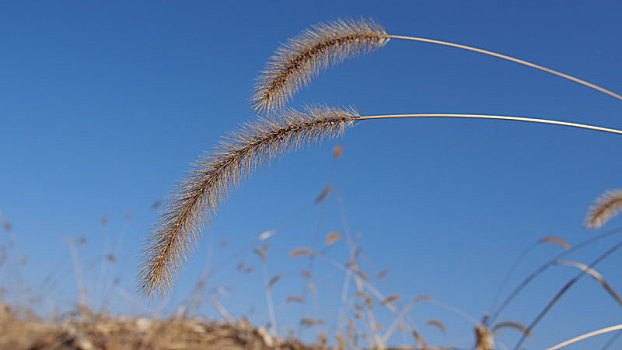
361,311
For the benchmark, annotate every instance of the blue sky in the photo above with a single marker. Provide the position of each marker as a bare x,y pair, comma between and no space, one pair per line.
104,105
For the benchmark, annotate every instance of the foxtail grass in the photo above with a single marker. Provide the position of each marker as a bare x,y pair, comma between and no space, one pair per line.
302,57
604,209
198,195
238,156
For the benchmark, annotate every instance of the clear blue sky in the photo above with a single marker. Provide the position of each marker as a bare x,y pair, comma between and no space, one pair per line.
103,105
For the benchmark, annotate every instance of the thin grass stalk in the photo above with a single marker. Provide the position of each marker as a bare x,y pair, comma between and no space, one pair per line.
611,341
377,341
585,336
494,117
79,277
223,311
396,322
519,260
343,298
511,59
510,273
269,301
597,276
563,291
543,267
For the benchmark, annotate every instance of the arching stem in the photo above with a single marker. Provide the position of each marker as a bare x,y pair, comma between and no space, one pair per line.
512,59
497,117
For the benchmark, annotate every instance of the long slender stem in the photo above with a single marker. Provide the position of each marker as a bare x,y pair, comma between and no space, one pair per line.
585,336
563,291
506,279
546,265
497,117
512,59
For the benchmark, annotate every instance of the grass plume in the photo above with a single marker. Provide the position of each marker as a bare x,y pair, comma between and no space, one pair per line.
325,44
606,207
214,175
302,57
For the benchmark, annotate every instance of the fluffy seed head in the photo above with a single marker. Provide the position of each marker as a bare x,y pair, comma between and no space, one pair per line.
211,178
302,57
606,207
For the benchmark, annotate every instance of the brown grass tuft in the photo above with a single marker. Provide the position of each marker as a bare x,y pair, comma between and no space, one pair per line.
337,151
555,240
390,299
436,323
382,274
273,281
295,299
327,190
302,57
606,207
300,252
332,237
207,185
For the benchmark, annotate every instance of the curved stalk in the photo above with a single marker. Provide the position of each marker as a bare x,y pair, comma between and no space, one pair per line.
512,59
497,117
585,336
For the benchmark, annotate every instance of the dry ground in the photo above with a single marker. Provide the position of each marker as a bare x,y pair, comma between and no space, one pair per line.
122,333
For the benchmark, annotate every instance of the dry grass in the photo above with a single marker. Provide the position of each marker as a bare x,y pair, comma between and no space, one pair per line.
597,276
123,333
606,207
256,144
213,176
325,44
302,57
332,237
555,240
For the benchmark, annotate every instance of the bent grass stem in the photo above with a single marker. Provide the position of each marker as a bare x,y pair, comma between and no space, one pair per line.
496,117
512,59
